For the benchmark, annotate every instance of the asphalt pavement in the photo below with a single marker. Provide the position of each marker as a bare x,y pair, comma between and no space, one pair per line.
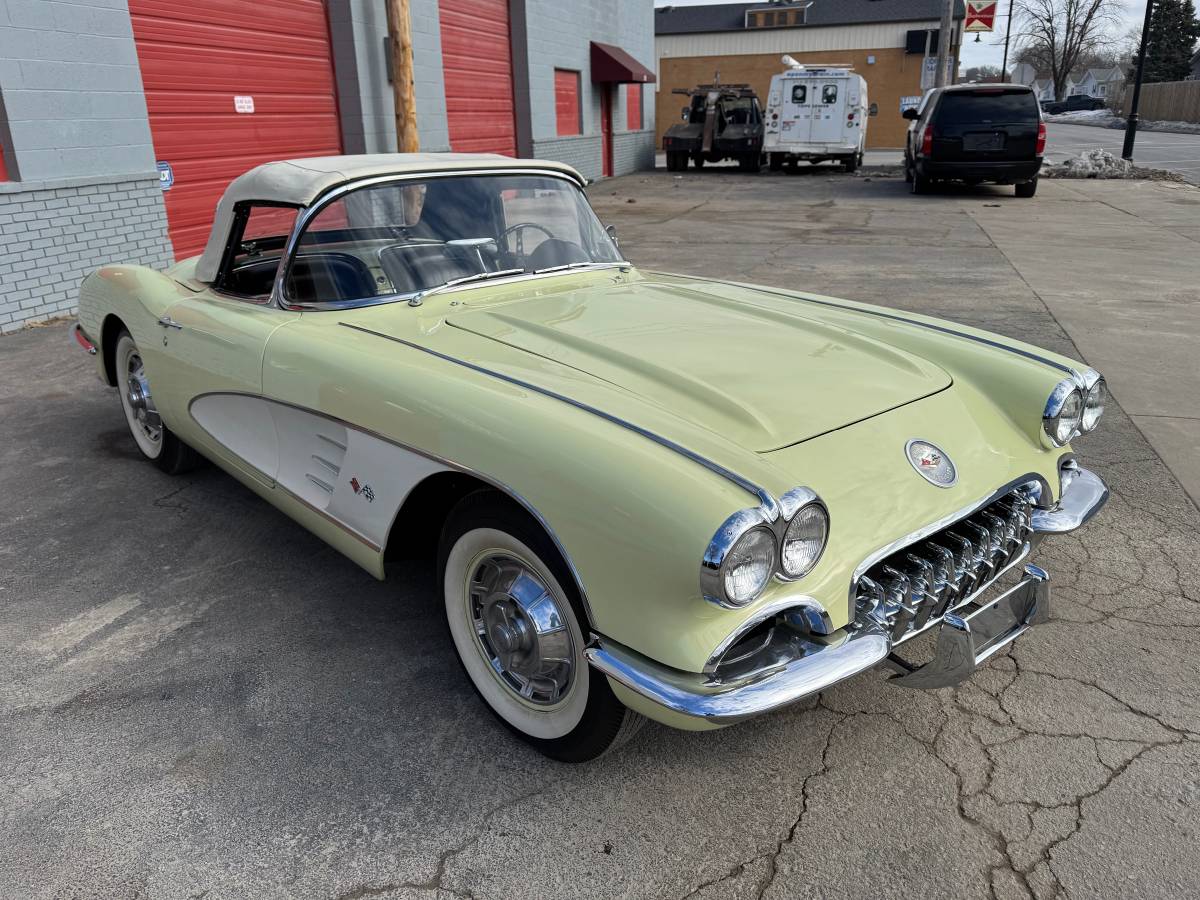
200,699
1179,153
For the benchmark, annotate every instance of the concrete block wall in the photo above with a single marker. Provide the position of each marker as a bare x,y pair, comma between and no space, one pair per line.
72,90
358,30
82,189
51,237
559,37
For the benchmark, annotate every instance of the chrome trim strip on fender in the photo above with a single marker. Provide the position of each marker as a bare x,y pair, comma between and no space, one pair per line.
448,463
765,498
1082,497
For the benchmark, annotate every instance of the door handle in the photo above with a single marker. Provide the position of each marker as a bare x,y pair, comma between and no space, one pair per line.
168,322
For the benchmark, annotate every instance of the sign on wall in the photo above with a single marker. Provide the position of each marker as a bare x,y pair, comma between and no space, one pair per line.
981,15
243,104
166,175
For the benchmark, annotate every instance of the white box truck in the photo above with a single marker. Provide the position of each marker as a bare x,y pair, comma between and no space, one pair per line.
815,113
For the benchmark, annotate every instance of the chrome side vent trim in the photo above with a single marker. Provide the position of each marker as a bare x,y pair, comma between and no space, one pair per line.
323,485
325,464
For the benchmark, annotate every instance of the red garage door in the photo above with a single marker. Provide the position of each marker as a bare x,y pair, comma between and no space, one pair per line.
477,69
229,85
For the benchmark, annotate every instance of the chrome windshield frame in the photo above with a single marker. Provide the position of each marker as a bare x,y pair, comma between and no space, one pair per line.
279,296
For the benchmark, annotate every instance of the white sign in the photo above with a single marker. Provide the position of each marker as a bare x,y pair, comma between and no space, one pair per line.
910,102
929,72
243,104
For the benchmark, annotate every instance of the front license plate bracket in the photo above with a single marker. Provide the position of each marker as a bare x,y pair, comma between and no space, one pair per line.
965,642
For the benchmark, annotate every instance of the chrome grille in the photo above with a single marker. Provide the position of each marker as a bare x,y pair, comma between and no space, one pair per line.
915,586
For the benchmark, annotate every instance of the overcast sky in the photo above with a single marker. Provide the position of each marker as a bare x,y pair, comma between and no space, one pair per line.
990,49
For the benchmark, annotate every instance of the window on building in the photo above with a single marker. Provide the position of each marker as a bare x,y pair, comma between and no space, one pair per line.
567,110
768,19
633,107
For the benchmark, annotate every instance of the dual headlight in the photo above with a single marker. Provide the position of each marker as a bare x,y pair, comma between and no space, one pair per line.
1074,408
752,545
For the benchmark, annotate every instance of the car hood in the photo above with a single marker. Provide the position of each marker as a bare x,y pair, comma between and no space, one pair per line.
762,378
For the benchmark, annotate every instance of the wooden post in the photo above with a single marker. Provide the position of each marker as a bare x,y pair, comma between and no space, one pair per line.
400,37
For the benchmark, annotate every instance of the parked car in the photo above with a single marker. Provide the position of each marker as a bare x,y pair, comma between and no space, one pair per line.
448,354
814,114
720,122
975,133
1072,103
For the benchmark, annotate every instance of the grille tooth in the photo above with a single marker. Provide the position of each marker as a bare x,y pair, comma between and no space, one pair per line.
917,585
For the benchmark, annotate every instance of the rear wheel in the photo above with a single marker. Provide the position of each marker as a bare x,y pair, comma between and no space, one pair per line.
920,184
749,162
698,161
515,619
153,438
775,161
676,161
1027,189
851,163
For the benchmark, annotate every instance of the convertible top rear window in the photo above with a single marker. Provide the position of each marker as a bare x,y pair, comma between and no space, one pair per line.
401,238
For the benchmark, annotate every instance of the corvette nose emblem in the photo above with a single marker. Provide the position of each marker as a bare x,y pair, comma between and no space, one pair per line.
931,463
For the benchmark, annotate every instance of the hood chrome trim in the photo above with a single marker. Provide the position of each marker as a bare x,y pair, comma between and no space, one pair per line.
769,503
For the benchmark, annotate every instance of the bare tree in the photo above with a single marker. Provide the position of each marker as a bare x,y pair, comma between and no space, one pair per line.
1060,34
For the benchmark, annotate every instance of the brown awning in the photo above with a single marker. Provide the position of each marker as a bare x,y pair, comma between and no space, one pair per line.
612,64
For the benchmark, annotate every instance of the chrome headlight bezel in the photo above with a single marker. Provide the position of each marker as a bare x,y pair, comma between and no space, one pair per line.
774,518
1066,394
1095,398
1081,385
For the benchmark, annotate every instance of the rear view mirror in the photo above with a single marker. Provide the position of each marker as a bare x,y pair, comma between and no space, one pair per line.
684,114
910,112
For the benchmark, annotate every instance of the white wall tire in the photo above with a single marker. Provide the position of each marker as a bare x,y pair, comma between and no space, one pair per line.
516,620
137,400
153,438
543,714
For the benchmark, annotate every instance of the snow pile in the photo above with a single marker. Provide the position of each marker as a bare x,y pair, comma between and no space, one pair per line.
1086,117
1092,164
1106,118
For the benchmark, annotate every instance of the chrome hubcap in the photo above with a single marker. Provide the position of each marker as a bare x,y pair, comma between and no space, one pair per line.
137,392
521,631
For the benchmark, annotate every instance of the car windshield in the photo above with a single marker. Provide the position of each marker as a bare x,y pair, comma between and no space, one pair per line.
404,238
970,107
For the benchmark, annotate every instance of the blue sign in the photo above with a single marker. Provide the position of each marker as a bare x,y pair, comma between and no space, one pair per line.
166,175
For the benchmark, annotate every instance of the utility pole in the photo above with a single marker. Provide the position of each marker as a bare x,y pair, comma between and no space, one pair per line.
400,41
944,43
1131,123
1007,35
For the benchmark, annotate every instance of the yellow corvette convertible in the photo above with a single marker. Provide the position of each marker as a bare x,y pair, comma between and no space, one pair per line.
647,494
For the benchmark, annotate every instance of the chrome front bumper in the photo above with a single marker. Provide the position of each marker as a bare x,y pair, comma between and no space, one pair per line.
963,642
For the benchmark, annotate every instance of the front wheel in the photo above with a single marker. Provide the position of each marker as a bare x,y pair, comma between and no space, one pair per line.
153,438
514,616
1026,189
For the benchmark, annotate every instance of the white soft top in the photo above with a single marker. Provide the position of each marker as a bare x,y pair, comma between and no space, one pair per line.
301,181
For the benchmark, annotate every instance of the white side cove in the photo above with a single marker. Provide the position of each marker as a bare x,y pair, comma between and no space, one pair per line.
352,477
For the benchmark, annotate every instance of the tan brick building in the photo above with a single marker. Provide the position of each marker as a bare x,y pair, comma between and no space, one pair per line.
884,40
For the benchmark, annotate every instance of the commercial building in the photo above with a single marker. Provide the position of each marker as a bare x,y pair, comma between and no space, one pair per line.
122,121
891,43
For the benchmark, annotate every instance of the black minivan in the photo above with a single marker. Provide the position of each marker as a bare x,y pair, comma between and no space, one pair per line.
976,133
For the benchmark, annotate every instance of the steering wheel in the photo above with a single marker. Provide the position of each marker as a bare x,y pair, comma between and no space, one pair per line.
520,248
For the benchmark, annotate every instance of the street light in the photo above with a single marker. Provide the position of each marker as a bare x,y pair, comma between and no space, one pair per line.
1131,123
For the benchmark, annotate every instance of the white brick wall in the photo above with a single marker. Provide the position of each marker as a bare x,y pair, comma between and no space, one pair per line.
52,236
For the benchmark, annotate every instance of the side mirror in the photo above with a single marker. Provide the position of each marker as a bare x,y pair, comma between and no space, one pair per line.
910,112
611,231
686,111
